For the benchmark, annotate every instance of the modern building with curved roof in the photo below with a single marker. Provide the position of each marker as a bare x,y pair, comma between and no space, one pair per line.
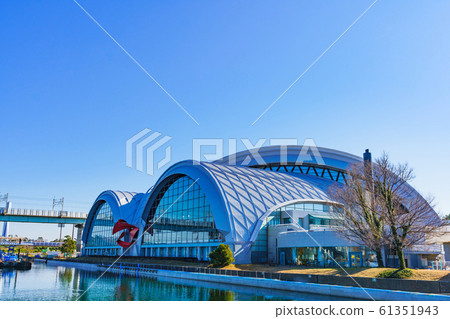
270,205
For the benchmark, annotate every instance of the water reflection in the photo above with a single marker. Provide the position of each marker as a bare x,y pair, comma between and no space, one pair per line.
65,275
123,292
219,295
62,283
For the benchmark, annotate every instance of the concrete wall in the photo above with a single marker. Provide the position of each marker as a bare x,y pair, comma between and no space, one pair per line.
273,236
312,288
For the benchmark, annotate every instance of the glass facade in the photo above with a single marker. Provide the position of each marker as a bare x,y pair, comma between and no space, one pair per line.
327,256
316,221
100,234
181,214
259,248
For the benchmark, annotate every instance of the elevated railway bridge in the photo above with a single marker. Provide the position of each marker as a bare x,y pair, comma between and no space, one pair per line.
22,215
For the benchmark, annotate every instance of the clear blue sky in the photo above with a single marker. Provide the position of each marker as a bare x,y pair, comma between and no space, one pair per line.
70,98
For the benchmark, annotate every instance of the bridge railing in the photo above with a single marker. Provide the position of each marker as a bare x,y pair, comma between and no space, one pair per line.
30,243
42,213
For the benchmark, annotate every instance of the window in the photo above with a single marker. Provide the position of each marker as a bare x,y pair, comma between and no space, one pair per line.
260,247
326,256
323,221
101,228
181,214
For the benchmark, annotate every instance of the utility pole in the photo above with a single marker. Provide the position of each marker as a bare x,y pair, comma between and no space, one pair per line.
57,202
5,198
61,226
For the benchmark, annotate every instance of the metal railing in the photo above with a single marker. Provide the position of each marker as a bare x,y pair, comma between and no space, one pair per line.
30,243
42,213
314,227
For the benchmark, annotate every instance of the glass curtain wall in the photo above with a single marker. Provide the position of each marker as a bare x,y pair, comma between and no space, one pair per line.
259,248
181,214
328,256
101,229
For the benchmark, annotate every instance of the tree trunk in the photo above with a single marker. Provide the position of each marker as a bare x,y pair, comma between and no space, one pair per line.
379,258
401,259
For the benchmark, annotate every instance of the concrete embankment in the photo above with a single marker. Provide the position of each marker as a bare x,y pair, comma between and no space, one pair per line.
294,286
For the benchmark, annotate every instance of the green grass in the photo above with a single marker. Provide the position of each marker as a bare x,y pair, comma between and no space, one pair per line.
396,273
366,272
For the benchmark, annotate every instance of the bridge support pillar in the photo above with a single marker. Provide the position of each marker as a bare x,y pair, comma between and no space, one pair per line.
5,229
79,235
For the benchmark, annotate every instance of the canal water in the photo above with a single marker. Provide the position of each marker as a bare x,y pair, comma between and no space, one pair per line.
45,282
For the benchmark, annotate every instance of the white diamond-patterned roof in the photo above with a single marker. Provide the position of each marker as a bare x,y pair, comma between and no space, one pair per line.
128,203
249,193
123,198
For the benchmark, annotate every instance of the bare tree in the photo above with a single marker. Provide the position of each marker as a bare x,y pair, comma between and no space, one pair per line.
409,217
361,221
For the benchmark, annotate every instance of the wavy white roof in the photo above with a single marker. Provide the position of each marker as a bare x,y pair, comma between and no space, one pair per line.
241,197
250,194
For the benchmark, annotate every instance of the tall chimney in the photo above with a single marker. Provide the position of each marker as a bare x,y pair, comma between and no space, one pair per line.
367,156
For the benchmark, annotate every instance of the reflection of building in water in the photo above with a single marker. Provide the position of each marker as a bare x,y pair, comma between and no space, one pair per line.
7,278
123,291
220,295
132,288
